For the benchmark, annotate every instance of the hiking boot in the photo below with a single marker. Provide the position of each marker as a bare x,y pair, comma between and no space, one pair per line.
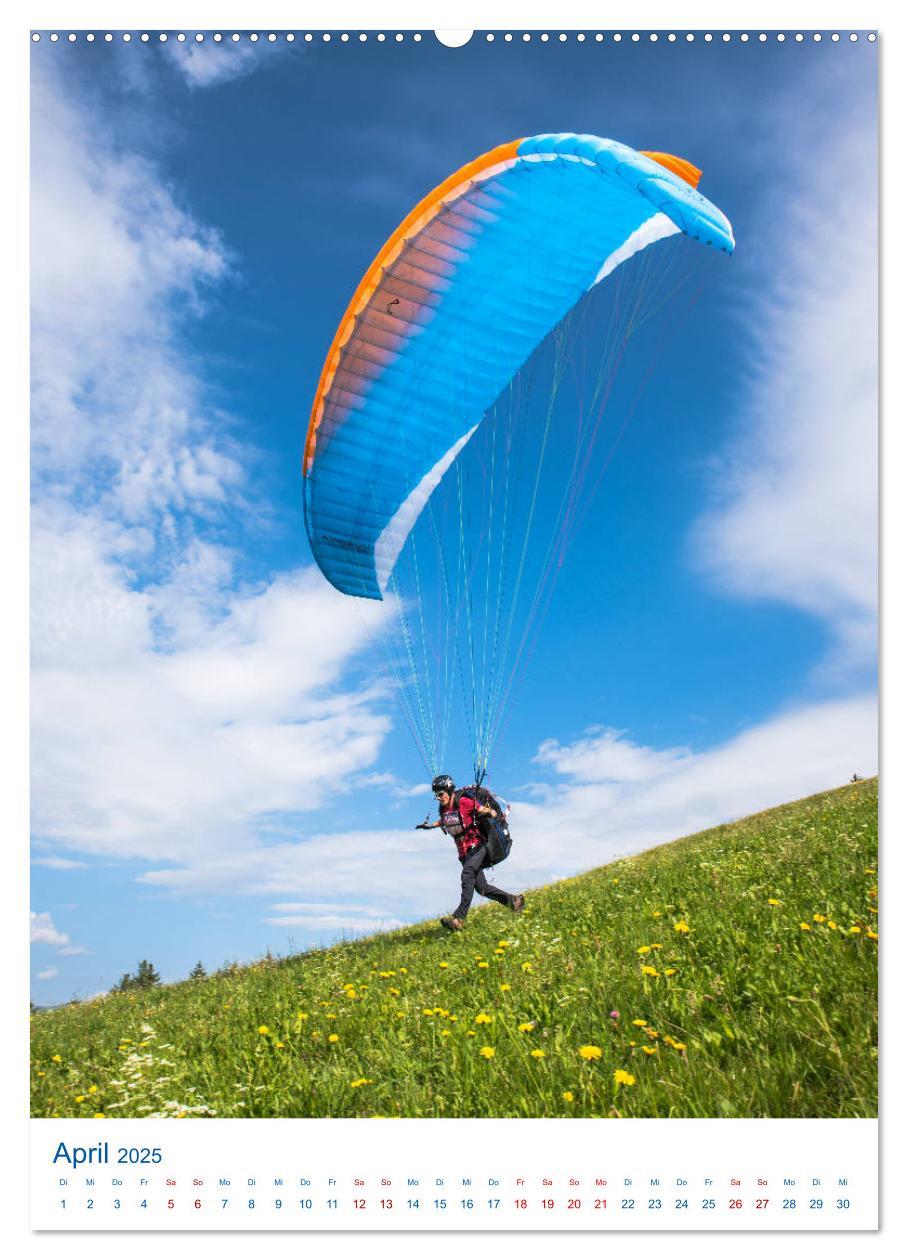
452,924
517,903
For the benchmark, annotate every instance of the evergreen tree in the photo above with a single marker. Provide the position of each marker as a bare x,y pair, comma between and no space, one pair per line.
146,977
198,972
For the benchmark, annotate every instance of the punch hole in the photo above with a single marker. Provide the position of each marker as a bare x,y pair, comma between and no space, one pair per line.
454,38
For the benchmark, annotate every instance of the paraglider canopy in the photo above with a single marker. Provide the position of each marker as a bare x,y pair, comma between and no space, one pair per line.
436,477
457,299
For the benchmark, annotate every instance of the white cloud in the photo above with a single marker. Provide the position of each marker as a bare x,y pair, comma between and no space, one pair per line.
349,917
118,418
607,756
208,64
795,513
50,974
71,951
43,932
596,817
355,924
165,754
58,864
176,712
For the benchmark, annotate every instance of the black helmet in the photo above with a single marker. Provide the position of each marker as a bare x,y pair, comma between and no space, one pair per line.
442,783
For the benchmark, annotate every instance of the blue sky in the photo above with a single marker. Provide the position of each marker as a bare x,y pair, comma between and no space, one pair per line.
216,769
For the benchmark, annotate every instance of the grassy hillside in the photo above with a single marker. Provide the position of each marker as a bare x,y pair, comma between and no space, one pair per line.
732,973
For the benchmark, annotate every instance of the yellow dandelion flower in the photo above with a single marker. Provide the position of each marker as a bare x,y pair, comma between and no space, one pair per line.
681,926
301,1015
772,901
833,927
655,946
590,1052
855,928
99,1115
427,1011
632,1043
537,1054
614,881
471,1033
819,918
639,1023
649,971
505,988
487,1052
56,1059
334,1037
483,1018
443,965
657,914
92,1089
279,1045
446,1032
263,1030
525,1027
670,971
80,1098
527,966
624,1078
679,1045
394,992
40,1073
805,927
644,949
868,870
503,944
649,1049
482,964
873,936
567,1096
404,970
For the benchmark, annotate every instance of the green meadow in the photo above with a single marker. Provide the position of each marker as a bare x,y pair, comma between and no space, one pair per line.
731,973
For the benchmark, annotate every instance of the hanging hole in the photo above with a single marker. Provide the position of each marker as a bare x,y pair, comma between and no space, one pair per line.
454,39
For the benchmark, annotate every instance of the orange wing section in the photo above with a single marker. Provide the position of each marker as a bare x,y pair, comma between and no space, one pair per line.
415,221
678,166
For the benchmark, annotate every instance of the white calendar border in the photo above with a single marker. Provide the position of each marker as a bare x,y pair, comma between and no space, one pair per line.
408,15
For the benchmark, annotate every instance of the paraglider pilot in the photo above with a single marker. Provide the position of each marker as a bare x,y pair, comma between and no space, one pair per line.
457,817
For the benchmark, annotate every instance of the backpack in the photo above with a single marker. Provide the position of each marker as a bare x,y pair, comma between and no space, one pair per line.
493,828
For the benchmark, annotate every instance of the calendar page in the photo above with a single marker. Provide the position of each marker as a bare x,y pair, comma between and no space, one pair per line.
453,666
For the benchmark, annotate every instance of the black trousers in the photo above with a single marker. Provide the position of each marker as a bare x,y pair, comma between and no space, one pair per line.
472,878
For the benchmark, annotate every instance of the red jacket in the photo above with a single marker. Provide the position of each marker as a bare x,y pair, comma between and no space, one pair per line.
460,824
